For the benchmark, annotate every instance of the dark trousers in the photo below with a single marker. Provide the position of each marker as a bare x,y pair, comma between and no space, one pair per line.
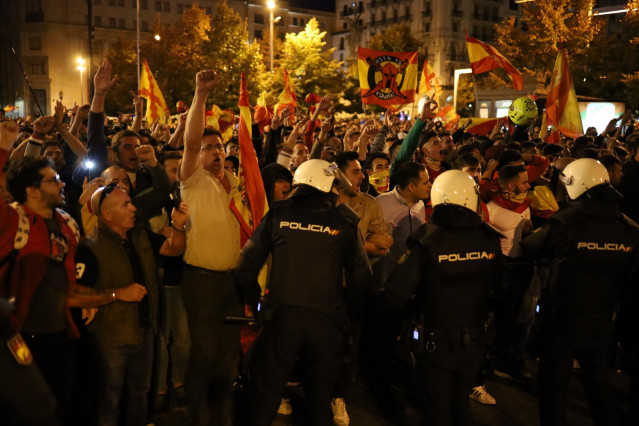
125,369
208,298
446,377
294,334
55,355
588,342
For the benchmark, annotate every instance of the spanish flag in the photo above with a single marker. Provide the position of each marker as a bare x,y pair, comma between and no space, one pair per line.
429,83
479,126
287,97
387,78
156,106
562,109
221,120
249,203
483,58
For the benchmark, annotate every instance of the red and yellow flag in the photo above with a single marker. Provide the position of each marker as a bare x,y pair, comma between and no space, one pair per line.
479,126
9,108
221,120
156,106
249,203
429,83
448,115
483,58
387,78
287,97
562,109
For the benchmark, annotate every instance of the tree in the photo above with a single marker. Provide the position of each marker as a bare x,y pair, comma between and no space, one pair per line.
396,38
309,65
197,42
265,48
545,26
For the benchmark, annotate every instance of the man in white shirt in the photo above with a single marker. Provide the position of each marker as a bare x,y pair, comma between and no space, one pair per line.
213,248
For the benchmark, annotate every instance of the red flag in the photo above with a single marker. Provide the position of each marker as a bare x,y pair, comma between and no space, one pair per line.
287,97
483,58
249,203
562,108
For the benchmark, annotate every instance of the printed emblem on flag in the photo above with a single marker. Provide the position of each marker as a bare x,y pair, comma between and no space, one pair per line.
387,78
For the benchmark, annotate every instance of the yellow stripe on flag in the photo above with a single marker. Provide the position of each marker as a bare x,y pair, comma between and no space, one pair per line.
156,107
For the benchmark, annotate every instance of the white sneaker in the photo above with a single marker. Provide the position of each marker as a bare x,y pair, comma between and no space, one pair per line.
480,394
285,407
340,416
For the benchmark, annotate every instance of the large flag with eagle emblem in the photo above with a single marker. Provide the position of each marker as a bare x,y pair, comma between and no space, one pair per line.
387,78
156,106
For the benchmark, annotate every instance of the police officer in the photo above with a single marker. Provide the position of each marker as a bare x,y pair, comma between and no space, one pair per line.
314,243
593,249
449,267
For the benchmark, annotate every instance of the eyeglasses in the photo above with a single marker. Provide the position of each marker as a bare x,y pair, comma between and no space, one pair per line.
212,147
106,191
56,179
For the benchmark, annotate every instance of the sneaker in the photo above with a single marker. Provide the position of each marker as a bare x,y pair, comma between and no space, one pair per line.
340,416
285,407
480,394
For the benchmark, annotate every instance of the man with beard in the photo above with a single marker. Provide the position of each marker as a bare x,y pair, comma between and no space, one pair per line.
42,241
510,213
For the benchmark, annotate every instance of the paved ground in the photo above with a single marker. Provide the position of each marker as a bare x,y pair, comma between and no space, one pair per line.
516,405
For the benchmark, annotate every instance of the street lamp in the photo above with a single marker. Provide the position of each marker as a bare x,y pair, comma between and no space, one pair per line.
271,5
81,68
157,37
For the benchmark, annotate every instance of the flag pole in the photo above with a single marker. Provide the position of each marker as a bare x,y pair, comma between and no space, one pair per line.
137,29
476,97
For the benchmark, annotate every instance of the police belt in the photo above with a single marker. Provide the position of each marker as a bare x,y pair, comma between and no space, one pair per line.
454,336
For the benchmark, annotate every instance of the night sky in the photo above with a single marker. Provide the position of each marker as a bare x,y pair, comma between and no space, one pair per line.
326,5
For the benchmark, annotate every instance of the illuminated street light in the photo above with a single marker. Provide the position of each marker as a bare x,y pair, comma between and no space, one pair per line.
271,5
80,61
157,37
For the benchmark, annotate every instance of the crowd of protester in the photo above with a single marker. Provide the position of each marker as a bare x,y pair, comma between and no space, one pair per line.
131,301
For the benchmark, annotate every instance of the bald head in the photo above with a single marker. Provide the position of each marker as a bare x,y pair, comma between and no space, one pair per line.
114,208
118,176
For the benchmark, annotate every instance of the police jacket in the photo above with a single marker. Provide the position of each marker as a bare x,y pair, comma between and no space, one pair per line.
593,249
449,266
314,245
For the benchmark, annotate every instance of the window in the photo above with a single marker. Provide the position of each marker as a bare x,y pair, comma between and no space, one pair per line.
112,22
341,57
37,67
407,11
144,26
97,21
158,6
134,4
121,23
258,34
259,18
426,27
41,96
294,21
35,43
144,4
372,19
455,26
302,23
121,3
111,2
180,8
341,43
167,6
345,25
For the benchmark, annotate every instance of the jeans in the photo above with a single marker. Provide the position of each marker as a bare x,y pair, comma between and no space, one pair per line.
209,297
123,366
175,328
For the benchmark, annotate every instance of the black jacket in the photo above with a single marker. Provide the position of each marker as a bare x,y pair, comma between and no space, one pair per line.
450,264
593,249
314,245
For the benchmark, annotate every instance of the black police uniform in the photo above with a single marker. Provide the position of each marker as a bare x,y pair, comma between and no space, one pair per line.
25,397
450,266
593,249
314,244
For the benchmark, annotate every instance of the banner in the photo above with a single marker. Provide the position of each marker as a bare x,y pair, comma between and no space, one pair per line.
429,83
387,78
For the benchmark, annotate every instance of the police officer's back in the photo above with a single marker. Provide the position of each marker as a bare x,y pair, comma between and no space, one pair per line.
314,244
449,266
593,249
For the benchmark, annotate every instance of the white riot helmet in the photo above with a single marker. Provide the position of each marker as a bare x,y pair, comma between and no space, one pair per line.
583,174
455,187
318,174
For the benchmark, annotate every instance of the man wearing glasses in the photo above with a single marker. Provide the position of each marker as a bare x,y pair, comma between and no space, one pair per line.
38,243
213,249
